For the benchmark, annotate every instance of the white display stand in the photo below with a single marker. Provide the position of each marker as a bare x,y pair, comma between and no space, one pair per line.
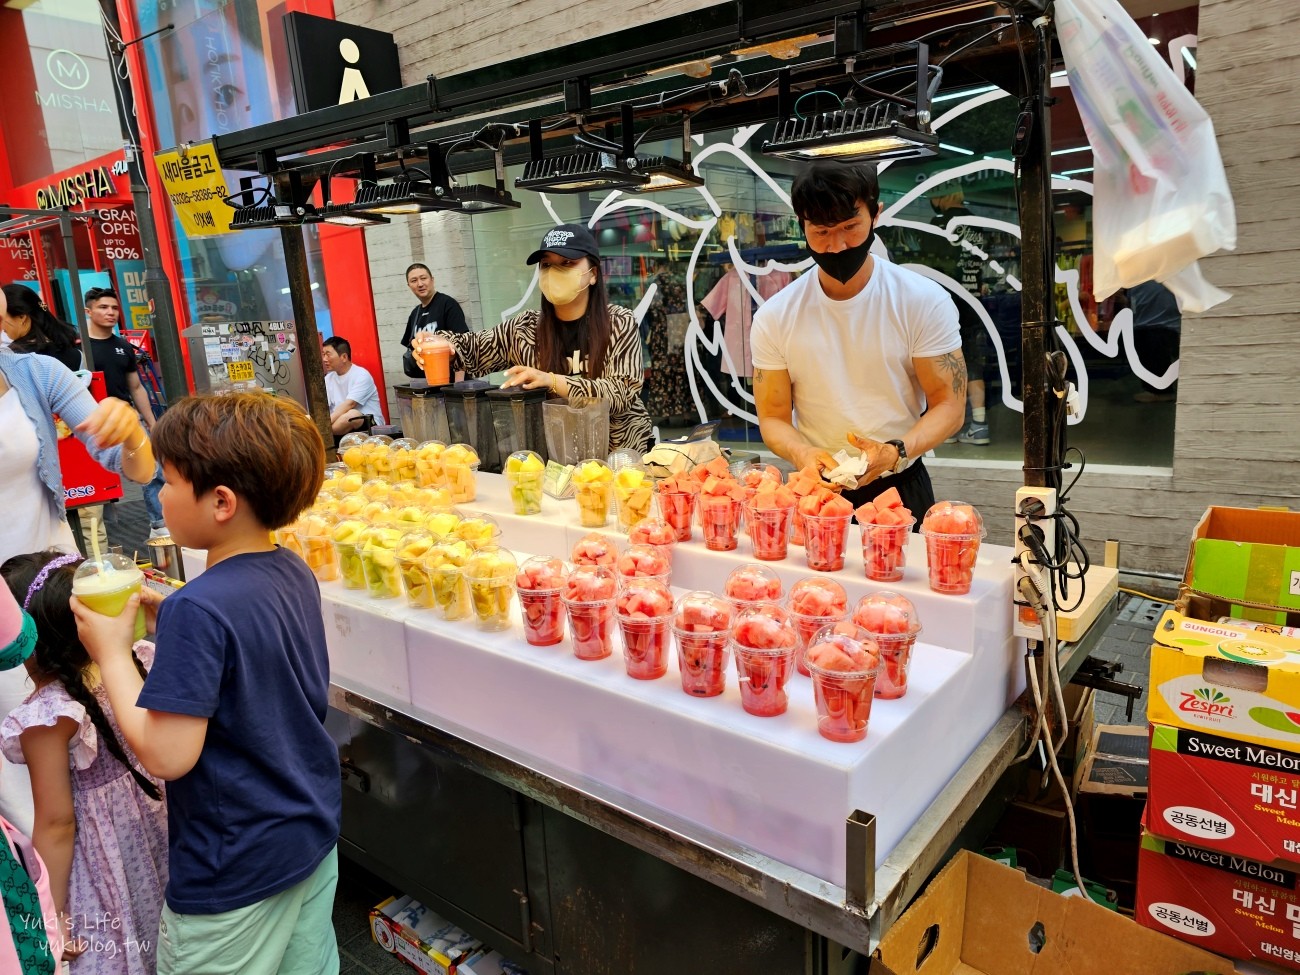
770,784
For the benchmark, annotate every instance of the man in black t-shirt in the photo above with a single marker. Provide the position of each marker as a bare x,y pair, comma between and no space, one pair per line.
118,360
435,312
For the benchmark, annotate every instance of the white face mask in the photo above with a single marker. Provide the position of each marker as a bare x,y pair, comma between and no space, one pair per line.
562,285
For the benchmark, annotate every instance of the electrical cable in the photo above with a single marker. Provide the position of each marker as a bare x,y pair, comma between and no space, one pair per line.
815,91
952,54
1033,589
953,28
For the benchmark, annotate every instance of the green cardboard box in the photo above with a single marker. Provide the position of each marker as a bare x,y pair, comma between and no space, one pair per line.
1244,563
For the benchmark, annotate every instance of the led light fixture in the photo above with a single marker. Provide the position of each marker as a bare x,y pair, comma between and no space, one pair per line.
869,132
270,210
892,128
402,195
483,197
480,198
578,172
666,173
415,191
584,170
345,214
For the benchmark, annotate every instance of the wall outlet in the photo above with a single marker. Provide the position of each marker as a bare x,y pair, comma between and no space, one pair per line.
1035,511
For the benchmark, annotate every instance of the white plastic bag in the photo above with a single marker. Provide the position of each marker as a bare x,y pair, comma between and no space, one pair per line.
1160,196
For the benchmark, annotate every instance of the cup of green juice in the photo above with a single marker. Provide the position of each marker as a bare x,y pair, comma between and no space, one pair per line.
105,584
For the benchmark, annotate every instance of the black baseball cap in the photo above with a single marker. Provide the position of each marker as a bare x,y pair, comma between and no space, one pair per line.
569,240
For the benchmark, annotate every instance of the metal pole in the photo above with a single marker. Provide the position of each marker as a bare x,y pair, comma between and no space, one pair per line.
166,333
304,315
74,284
1038,262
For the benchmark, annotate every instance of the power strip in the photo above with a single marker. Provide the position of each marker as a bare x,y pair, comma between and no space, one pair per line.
1035,510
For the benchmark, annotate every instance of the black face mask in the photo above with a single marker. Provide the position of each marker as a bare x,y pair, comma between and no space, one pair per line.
842,265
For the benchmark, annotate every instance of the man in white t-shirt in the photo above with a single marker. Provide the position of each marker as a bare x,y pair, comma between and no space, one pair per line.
352,395
860,351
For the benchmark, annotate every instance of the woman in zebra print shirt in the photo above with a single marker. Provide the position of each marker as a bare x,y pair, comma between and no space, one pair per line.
578,344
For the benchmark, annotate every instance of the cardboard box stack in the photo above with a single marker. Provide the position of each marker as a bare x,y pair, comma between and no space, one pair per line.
1219,863
978,917
431,944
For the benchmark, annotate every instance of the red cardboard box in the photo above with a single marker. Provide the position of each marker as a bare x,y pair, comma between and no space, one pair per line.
1223,794
1226,904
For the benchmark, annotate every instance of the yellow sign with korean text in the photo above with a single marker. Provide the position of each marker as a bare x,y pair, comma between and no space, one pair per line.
240,371
197,188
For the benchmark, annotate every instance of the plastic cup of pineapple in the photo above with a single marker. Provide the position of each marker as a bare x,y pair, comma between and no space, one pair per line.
592,481
491,577
413,561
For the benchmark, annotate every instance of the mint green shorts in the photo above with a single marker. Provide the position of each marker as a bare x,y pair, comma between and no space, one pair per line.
290,933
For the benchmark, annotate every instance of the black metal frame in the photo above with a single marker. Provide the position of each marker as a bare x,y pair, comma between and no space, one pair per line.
598,79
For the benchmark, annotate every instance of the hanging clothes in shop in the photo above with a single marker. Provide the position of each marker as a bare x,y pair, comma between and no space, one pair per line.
667,389
731,302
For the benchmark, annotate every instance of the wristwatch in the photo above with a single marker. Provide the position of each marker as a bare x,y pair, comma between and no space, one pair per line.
902,456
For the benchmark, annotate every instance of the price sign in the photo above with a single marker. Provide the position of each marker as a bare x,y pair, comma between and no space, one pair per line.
239,372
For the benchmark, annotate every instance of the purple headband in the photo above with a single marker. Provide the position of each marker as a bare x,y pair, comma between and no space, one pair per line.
44,574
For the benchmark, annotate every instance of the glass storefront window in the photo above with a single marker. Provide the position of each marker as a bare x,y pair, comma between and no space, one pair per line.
216,72
57,107
696,262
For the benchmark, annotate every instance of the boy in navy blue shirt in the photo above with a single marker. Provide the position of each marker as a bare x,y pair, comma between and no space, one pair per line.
232,714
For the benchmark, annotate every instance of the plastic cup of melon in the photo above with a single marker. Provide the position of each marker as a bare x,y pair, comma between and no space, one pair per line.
589,600
844,662
645,615
678,510
952,533
892,621
884,550
702,625
719,522
769,531
540,587
825,538
814,604
763,643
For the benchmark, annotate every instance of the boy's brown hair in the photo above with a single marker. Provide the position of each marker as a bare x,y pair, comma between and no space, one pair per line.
265,449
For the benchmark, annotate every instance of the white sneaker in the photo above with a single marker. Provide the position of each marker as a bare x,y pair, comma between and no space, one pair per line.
160,532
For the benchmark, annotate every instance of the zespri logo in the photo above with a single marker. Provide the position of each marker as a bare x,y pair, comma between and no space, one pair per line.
1208,701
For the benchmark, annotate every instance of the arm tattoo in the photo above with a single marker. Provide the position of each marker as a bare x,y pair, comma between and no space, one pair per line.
954,367
758,376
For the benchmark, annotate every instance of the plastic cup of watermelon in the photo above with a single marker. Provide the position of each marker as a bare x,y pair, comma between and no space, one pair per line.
825,537
678,510
884,550
813,604
893,623
796,528
702,625
843,703
952,533
763,643
751,584
543,616
807,627
540,585
719,522
645,646
645,615
844,680
769,531
591,628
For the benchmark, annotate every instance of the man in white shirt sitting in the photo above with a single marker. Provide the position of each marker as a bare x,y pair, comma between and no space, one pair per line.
352,394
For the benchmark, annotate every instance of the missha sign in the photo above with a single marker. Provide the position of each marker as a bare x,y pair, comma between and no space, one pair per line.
76,187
